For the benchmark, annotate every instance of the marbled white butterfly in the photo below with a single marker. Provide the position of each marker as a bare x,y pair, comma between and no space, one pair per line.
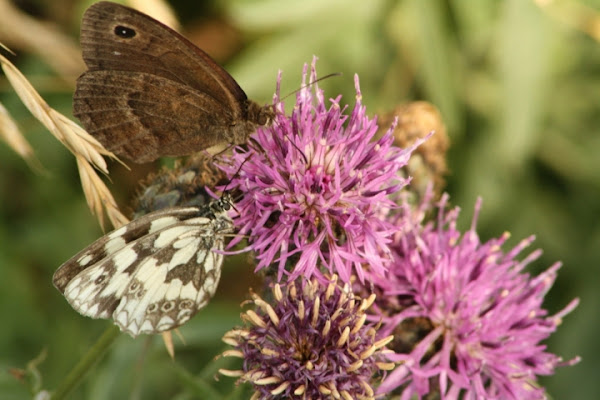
153,274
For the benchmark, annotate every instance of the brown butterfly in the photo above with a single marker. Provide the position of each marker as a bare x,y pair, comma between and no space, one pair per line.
149,92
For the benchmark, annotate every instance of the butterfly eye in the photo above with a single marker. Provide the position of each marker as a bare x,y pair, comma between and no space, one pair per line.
124,32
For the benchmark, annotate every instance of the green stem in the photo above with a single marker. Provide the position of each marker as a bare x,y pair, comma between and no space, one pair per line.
200,387
85,364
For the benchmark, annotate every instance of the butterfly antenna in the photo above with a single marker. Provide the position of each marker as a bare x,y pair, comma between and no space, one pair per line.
311,83
301,88
258,148
228,147
230,200
301,152
239,169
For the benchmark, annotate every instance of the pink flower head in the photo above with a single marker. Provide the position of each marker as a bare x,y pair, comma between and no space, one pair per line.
314,185
309,342
485,315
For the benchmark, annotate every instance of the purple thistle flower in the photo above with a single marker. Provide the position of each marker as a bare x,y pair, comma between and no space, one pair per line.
316,187
311,342
476,316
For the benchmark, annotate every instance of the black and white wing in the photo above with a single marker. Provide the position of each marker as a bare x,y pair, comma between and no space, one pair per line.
153,274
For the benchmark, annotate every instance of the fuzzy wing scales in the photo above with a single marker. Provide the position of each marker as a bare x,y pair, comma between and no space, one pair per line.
151,275
169,287
109,244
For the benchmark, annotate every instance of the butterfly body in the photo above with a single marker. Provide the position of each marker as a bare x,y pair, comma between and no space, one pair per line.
149,92
153,274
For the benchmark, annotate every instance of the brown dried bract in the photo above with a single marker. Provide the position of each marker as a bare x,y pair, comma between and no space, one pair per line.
428,162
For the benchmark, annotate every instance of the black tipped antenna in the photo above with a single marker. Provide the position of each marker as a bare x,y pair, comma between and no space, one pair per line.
230,200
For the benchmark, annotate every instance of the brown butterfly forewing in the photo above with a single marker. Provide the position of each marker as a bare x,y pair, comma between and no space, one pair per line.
149,92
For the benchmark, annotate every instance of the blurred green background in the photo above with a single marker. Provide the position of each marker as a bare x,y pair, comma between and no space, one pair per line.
517,83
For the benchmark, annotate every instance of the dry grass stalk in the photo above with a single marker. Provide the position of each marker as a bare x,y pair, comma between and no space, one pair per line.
77,140
167,338
10,133
43,38
86,149
98,196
